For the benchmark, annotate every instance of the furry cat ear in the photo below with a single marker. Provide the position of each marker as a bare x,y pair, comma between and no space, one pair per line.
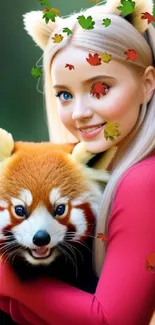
36,27
141,6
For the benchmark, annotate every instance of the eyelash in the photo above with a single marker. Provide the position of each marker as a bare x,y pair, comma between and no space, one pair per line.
62,92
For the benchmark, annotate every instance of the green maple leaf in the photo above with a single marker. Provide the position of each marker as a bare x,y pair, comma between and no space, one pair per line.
49,15
67,30
86,23
127,7
44,3
106,22
36,72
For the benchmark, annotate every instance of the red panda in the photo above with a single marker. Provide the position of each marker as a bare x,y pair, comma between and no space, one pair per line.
48,207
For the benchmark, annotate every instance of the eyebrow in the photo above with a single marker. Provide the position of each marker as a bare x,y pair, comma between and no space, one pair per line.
88,80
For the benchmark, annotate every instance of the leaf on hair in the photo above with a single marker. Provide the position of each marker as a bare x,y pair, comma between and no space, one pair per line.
57,38
106,22
127,7
86,23
131,55
67,31
149,17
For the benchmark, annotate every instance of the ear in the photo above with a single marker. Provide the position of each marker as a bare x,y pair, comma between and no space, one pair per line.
36,27
149,82
6,145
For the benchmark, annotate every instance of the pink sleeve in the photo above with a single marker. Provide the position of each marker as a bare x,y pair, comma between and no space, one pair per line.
126,289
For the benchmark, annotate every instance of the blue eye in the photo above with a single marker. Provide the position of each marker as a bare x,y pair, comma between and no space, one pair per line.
20,211
60,210
65,95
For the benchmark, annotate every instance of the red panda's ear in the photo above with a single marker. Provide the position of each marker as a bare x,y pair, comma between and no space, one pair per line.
6,144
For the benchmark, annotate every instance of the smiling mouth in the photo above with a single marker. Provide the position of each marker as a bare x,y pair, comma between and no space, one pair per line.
41,252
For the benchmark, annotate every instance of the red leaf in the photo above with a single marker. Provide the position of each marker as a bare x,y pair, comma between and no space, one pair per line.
98,89
102,236
70,66
94,59
146,15
132,55
150,262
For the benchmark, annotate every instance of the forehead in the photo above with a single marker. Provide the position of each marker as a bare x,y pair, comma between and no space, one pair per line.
83,70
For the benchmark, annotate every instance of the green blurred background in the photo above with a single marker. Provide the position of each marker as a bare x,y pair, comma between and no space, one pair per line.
21,105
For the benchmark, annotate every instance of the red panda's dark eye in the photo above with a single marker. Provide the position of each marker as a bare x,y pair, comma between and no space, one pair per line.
60,210
20,211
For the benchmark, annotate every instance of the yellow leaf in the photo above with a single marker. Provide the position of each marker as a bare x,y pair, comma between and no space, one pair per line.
105,57
56,11
111,130
57,38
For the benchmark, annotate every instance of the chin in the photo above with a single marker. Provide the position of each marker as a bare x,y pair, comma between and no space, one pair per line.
99,145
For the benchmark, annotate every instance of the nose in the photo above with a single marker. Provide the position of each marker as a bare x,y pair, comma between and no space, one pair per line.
81,111
41,238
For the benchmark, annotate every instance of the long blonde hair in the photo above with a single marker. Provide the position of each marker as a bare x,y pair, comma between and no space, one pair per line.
116,39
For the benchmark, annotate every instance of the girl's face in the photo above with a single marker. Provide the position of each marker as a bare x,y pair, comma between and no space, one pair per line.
78,107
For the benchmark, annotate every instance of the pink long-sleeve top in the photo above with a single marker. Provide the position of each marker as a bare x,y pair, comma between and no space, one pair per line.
125,293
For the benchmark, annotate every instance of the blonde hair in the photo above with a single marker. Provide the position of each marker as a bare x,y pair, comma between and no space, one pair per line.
116,39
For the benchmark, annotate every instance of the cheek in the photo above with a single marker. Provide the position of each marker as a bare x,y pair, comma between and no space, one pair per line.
119,103
65,115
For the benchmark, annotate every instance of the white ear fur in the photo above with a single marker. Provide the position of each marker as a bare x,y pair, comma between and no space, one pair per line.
36,27
6,145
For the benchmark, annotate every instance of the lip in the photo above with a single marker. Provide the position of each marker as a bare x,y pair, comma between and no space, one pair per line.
89,126
92,134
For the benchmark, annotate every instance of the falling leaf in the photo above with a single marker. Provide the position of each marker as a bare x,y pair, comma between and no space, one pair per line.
86,23
53,10
102,236
127,7
70,66
106,22
131,55
49,15
150,262
105,57
57,38
98,89
67,30
97,1
146,15
94,59
36,72
44,3
111,130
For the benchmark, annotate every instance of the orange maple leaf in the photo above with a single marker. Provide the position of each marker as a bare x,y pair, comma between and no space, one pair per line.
98,89
146,15
131,55
102,236
70,66
150,262
94,59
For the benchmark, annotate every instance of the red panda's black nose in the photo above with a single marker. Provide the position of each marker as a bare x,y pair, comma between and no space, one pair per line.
41,238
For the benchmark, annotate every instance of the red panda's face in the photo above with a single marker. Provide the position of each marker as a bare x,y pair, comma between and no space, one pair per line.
46,201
